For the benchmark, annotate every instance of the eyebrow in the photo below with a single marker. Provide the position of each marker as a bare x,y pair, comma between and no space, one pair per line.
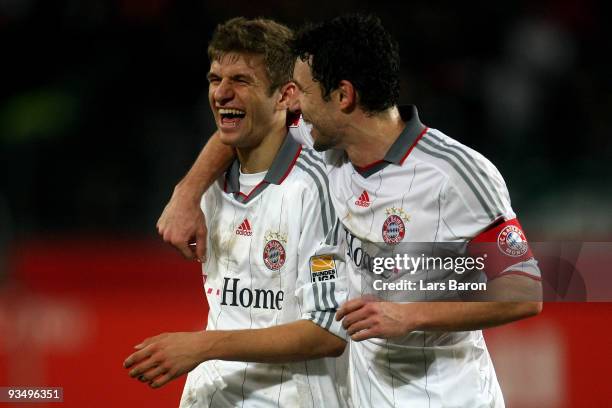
237,77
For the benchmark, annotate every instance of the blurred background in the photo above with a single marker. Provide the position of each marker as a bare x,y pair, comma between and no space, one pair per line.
104,107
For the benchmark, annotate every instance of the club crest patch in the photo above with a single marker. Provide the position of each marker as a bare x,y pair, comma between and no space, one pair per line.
512,241
274,254
394,228
322,268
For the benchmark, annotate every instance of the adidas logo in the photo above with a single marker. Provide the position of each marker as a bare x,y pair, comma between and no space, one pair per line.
363,200
244,228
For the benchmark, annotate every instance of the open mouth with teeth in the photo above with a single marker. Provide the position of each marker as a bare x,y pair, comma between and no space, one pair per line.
231,117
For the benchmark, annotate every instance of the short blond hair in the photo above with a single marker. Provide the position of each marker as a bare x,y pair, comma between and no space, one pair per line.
256,36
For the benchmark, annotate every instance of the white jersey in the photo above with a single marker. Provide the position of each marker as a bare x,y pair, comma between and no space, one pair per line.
263,268
430,189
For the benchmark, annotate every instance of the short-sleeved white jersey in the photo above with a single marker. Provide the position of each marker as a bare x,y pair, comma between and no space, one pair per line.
259,272
430,189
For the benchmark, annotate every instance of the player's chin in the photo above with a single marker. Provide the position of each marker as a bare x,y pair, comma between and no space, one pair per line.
321,143
230,137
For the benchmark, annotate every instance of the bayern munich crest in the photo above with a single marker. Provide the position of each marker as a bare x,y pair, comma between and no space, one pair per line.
394,229
512,242
274,254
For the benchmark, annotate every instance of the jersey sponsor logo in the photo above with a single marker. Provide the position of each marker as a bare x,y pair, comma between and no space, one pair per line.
244,228
322,268
363,200
274,254
232,295
512,241
394,229
360,257
209,291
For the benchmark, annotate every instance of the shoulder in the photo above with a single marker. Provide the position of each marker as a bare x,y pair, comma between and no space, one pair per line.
468,173
300,132
310,175
453,158
310,168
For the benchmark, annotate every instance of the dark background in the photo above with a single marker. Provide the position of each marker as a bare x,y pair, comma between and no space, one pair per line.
104,103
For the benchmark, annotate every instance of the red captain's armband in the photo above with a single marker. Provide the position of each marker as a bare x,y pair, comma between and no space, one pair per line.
502,245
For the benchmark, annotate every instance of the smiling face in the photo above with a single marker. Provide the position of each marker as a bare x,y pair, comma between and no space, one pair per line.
323,115
240,100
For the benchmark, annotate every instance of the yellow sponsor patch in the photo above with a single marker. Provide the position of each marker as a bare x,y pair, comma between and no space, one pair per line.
322,268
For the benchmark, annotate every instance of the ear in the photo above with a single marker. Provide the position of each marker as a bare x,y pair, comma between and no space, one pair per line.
288,96
347,96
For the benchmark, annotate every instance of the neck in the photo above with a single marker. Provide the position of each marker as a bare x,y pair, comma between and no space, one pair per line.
370,137
255,159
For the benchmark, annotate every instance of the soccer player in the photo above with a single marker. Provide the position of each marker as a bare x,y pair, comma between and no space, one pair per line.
271,286
394,181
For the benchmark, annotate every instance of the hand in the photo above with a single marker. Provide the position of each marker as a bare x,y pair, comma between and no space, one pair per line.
368,317
163,358
182,223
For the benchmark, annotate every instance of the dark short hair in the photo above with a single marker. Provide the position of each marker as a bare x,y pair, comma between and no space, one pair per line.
256,36
355,48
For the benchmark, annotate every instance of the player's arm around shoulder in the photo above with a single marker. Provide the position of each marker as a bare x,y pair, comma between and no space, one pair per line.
182,223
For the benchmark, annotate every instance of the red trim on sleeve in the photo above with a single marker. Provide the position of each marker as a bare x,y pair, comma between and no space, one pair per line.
501,245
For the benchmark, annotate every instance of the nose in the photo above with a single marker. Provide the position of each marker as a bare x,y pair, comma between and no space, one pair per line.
223,93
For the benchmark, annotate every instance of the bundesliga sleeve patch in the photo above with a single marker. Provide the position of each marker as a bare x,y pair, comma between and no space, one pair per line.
502,245
322,268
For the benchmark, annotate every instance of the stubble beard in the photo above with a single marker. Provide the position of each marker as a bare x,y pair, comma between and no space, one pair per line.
321,147
323,143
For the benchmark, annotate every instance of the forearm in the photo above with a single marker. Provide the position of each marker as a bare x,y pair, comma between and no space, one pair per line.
209,165
296,341
464,316
511,298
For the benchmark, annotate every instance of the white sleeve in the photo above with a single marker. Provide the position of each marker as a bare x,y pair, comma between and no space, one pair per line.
301,133
483,217
475,197
322,284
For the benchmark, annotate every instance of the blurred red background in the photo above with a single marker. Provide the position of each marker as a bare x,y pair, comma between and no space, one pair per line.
77,307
